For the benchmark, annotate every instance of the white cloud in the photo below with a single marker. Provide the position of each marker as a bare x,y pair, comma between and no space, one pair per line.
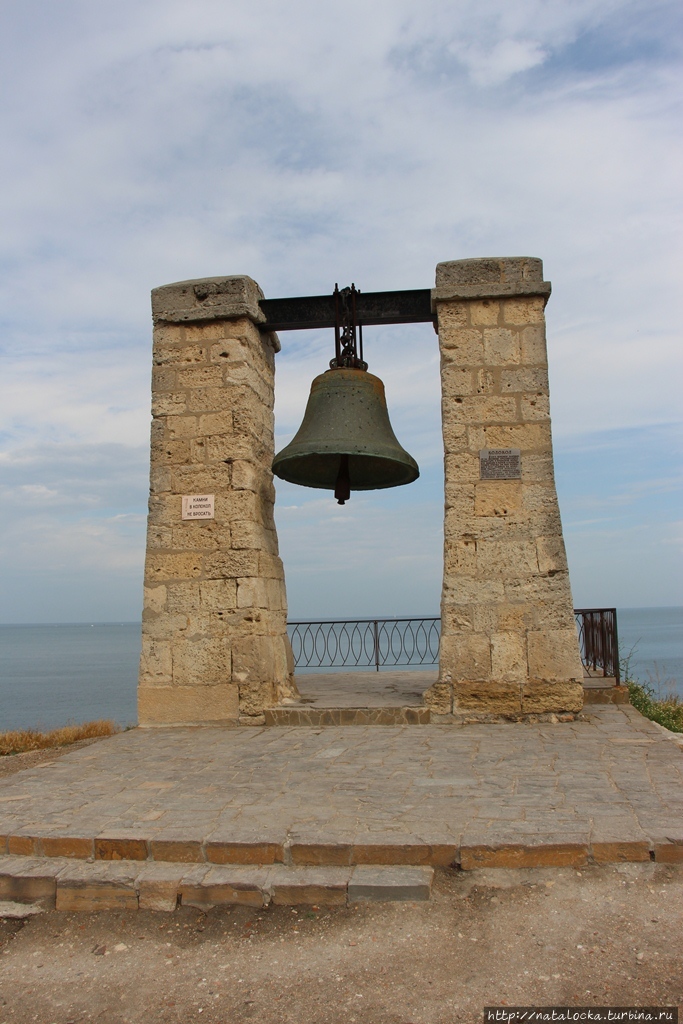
153,141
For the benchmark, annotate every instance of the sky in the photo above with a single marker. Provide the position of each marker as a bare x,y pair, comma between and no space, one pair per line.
304,144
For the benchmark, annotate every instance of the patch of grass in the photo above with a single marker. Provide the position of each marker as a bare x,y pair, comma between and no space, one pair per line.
654,699
22,740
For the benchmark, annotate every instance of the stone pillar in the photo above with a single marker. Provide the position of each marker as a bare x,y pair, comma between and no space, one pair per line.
509,644
214,639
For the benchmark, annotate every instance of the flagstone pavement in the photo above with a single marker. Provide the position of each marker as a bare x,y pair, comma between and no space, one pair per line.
607,788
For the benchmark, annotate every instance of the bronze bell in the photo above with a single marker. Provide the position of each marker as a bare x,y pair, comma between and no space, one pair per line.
345,442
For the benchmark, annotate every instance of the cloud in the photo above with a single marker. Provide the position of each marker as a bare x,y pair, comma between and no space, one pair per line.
156,141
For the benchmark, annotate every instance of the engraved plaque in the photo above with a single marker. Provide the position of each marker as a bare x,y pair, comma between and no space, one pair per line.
500,464
198,506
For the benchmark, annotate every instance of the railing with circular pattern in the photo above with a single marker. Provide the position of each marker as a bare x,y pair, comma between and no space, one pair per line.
370,643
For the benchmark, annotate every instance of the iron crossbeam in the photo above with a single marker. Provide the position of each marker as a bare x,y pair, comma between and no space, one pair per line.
372,308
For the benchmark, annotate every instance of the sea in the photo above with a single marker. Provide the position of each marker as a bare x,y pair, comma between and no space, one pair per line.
52,675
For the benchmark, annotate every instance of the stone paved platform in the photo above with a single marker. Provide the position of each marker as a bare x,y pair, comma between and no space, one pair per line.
519,795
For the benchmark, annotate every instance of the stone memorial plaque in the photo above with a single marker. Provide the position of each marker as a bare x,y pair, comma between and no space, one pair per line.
500,464
198,506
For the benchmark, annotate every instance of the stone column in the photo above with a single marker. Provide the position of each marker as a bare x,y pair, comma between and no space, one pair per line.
509,645
214,639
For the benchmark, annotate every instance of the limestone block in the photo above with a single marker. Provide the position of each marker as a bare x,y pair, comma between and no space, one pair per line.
462,467
548,599
534,350
524,310
159,537
159,480
182,596
460,556
199,536
554,655
464,590
509,557
156,663
210,298
551,554
183,355
488,409
439,698
527,378
169,404
215,422
538,468
231,565
197,480
535,407
188,705
486,382
525,436
508,657
164,378
558,696
458,618
454,437
201,661
501,346
453,315
465,656
270,566
200,377
157,886
490,276
491,698
484,313
217,595
163,566
458,381
497,497
246,475
464,346
247,535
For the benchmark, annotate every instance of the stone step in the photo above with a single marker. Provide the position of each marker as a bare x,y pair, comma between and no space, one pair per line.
598,690
72,885
305,715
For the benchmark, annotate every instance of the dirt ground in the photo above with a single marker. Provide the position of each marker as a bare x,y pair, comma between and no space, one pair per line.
609,936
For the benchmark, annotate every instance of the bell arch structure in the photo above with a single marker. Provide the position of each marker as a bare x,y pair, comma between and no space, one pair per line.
215,646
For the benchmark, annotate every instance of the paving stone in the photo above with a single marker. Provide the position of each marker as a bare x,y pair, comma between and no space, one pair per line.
395,795
98,886
29,879
323,886
158,885
225,886
390,883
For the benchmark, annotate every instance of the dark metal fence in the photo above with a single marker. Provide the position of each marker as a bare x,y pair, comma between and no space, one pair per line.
365,643
599,641
369,643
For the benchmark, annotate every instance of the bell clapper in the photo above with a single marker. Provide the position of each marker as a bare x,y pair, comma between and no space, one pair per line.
342,487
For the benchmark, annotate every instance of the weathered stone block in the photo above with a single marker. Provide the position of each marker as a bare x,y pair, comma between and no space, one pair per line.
501,346
390,883
555,695
508,657
534,352
464,346
524,310
465,656
554,655
526,378
484,313
497,497
525,436
490,698
188,705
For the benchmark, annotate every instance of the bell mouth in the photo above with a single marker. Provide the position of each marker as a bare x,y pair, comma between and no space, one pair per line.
366,472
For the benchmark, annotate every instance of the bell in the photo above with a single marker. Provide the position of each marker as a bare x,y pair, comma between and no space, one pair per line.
345,442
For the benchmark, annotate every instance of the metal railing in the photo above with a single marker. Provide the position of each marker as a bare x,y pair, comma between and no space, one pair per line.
599,641
369,643
365,643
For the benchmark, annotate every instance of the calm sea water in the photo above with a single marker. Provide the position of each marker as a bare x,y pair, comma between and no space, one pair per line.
54,674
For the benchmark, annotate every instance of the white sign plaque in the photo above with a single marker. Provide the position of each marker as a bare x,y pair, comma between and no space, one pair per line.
500,464
198,506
